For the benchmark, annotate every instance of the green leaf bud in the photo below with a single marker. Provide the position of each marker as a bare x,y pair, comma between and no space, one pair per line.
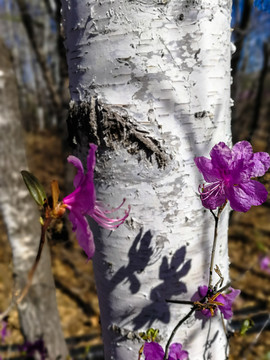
35,188
246,325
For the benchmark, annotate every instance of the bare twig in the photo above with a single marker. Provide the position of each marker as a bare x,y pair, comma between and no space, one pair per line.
216,217
175,329
248,349
185,302
31,273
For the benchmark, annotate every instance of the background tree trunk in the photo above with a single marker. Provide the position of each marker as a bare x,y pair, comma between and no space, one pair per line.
150,84
38,311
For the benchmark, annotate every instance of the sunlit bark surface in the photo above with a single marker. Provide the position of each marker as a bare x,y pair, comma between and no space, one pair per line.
150,84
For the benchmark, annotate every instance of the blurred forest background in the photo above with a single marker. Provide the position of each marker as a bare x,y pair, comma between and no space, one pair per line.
32,51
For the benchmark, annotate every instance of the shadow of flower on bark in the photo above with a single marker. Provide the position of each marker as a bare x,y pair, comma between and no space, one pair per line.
139,256
171,285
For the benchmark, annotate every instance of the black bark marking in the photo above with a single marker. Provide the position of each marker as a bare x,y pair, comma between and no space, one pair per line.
98,123
202,114
150,2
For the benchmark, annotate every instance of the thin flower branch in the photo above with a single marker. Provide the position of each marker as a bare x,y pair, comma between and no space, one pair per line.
216,217
184,302
175,330
31,273
52,209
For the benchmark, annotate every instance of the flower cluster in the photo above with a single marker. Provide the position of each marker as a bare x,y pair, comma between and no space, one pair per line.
229,173
213,302
82,202
154,351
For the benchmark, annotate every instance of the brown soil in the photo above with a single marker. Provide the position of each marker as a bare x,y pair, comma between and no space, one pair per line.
76,295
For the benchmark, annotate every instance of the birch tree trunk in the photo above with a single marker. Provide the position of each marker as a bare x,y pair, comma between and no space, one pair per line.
38,311
150,84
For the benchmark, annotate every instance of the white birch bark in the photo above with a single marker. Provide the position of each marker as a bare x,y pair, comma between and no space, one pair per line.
38,311
150,84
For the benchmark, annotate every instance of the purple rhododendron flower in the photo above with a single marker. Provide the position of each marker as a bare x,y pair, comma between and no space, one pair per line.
154,351
31,348
229,173
225,299
265,263
82,202
4,332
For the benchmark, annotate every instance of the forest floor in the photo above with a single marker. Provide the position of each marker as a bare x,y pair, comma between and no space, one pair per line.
75,286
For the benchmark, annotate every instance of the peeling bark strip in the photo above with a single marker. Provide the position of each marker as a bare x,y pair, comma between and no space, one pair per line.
98,123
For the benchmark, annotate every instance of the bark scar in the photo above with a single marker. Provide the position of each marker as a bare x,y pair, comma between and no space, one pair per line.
106,127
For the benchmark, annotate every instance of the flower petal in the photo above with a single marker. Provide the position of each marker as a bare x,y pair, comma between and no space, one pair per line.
82,199
227,300
242,162
213,196
265,262
242,150
244,195
261,163
207,313
153,351
80,172
205,166
221,156
84,234
202,291
91,162
176,352
231,295
226,309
